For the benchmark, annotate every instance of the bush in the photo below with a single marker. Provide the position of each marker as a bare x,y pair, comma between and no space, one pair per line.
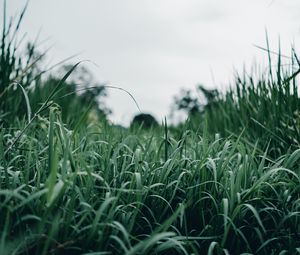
144,120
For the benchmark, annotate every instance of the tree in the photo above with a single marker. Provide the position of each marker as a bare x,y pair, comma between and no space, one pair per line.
77,95
145,120
193,104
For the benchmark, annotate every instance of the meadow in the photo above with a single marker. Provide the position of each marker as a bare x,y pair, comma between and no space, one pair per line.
227,181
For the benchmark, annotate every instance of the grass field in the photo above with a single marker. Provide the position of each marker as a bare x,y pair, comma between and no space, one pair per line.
224,182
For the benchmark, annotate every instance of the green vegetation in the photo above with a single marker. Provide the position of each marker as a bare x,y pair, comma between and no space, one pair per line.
144,120
227,181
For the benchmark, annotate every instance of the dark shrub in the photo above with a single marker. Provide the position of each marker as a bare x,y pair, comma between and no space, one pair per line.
145,120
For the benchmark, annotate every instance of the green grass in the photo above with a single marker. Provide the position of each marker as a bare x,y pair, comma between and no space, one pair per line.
102,190
225,182
264,107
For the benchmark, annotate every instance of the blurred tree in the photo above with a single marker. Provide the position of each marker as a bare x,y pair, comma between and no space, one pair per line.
187,102
211,96
145,120
22,76
192,104
80,93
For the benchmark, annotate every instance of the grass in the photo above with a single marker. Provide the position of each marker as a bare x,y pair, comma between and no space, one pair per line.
226,182
265,107
99,190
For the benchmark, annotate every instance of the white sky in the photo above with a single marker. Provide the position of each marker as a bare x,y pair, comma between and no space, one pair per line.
152,48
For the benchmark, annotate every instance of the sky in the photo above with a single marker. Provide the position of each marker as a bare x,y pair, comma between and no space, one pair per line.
153,48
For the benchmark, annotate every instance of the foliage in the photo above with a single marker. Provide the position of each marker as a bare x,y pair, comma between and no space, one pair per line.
91,188
17,72
73,98
23,86
102,189
144,120
265,109
194,105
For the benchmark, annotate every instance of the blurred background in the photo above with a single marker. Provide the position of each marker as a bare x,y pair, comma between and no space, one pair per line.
154,48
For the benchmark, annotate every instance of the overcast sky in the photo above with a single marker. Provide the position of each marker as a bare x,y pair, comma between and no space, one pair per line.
152,48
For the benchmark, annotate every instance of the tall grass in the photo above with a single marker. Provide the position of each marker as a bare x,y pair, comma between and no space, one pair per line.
17,71
102,190
22,89
264,108
92,188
